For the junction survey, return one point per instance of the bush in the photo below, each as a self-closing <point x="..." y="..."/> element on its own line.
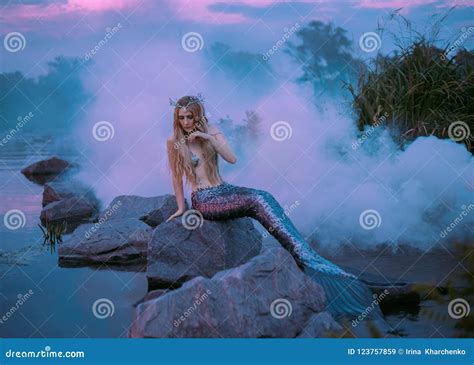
<point x="424" y="91"/>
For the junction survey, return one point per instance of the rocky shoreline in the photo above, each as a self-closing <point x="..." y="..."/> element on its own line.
<point x="214" y="279"/>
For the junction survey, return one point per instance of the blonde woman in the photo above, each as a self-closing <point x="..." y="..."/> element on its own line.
<point x="193" y="151"/>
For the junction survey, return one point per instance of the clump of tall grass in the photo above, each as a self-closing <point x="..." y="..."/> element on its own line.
<point x="425" y="90"/>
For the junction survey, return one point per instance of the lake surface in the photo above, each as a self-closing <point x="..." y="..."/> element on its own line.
<point x="57" y="302"/>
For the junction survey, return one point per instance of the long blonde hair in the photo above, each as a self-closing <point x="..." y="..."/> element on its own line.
<point x="178" y="151"/>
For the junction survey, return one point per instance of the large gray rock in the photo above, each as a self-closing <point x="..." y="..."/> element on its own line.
<point x="69" y="201"/>
<point x="133" y="206"/>
<point x="321" y="325"/>
<point x="177" y="254"/>
<point x="63" y="189"/>
<point x="116" y="237"/>
<point x="269" y="296"/>
<point x="121" y="241"/>
<point x="161" y="214"/>
<point x="73" y="211"/>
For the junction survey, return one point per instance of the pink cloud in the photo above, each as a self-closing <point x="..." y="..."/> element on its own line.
<point x="58" y="10"/>
<point x="199" y="11"/>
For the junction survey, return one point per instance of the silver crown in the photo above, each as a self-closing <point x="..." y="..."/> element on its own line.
<point x="194" y="99"/>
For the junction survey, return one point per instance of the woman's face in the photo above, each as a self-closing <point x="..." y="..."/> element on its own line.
<point x="186" y="119"/>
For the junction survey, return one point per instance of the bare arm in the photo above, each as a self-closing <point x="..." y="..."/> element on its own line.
<point x="177" y="186"/>
<point x="216" y="137"/>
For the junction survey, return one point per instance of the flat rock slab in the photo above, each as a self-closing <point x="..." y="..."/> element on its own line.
<point x="177" y="254"/>
<point x="269" y="296"/>
<point x="133" y="206"/>
<point x="113" y="242"/>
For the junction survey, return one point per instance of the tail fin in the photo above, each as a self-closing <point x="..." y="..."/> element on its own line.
<point x="347" y="296"/>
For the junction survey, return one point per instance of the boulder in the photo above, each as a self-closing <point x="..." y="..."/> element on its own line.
<point x="321" y="325"/>
<point x="74" y="211"/>
<point x="161" y="214"/>
<point x="121" y="241"/>
<point x="177" y="254"/>
<point x="45" y="170"/>
<point x="133" y="206"/>
<point x="269" y="296"/>
<point x="64" y="189"/>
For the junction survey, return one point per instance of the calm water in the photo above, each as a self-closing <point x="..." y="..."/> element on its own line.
<point x="62" y="298"/>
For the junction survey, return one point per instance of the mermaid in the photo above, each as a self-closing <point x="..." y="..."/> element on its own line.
<point x="193" y="151"/>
